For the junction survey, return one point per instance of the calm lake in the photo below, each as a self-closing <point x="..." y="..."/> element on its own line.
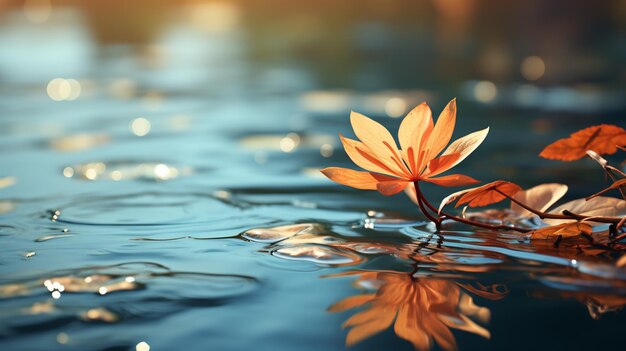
<point x="148" y="152"/>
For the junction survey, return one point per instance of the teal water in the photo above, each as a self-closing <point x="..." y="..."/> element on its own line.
<point x="114" y="234"/>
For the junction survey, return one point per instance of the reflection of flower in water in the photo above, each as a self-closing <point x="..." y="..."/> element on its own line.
<point x="424" y="310"/>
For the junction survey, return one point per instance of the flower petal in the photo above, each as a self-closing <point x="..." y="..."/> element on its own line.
<point x="407" y="327"/>
<point x="355" y="179"/>
<point x="452" y="180"/>
<point x="384" y="318"/>
<point x="378" y="139"/>
<point x="440" y="164"/>
<point x="351" y="302"/>
<point x="391" y="187"/>
<point x="464" y="147"/>
<point x="441" y="134"/>
<point x="414" y="131"/>
<point x="363" y="157"/>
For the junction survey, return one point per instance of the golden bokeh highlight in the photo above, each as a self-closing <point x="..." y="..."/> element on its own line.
<point x="533" y="68"/>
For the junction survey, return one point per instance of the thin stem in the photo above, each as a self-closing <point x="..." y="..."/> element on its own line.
<point x="566" y="214"/>
<point x="421" y="199"/>
<point x="484" y="225"/>
<point x="420" y="203"/>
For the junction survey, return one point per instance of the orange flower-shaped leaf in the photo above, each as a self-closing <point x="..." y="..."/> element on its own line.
<point x="420" y="158"/>
<point x="564" y="230"/>
<point x="603" y="139"/>
<point x="488" y="194"/>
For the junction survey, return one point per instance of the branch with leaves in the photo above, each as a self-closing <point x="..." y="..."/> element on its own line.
<point x="421" y="157"/>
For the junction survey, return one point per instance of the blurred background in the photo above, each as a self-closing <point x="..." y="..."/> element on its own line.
<point x="194" y="83"/>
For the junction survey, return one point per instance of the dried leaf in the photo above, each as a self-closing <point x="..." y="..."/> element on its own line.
<point x="540" y="197"/>
<point x="603" y="139"/>
<point x="601" y="206"/>
<point x="450" y="198"/>
<point x="564" y="230"/>
<point x="488" y="194"/>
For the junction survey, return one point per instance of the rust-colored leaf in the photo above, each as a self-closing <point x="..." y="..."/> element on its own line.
<point x="489" y="194"/>
<point x="603" y="139"/>
<point x="564" y="230"/>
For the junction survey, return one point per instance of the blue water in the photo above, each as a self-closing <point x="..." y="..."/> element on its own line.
<point x="114" y="234"/>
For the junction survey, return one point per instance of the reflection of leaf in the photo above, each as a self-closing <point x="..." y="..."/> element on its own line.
<point x="621" y="262"/>
<point x="540" y="197"/>
<point x="424" y="310"/>
<point x="389" y="168"/>
<point x="564" y="230"/>
<point x="488" y="193"/>
<point x="602" y="139"/>
<point x="600" y="206"/>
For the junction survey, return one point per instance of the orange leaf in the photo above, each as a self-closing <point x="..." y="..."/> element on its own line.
<point x="360" y="155"/>
<point x="463" y="146"/>
<point x="603" y="139"/>
<point x="355" y="179"/>
<point x="442" y="132"/>
<point x="391" y="187"/>
<point x="380" y="142"/>
<point x="414" y="132"/>
<point x="452" y="180"/>
<point x="565" y="230"/>
<point x="489" y="194"/>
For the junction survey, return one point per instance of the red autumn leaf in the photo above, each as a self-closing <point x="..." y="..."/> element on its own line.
<point x="489" y="194"/>
<point x="603" y="139"/>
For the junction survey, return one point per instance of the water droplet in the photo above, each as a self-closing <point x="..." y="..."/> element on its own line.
<point x="318" y="254"/>
<point x="56" y="294"/>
